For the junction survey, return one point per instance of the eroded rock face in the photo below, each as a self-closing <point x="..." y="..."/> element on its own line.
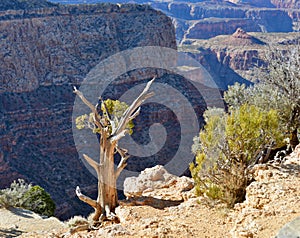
<point x="273" y="195"/>
<point x="253" y="20"/>
<point x="59" y="45"/>
<point x="208" y="19"/>
<point x="19" y="4"/>
<point x="255" y="3"/>
<point x="43" y="53"/>
<point x="233" y="58"/>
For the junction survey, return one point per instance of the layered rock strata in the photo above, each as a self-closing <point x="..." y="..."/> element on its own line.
<point x="44" y="52"/>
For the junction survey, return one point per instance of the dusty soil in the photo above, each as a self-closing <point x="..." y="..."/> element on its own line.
<point x="272" y="201"/>
<point x="15" y="222"/>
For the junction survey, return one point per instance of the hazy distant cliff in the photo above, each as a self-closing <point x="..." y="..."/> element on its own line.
<point x="208" y="18"/>
<point x="42" y="53"/>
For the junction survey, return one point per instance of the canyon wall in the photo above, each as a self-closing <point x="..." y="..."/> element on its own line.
<point x="43" y="53"/>
<point x="206" y="20"/>
<point x="209" y="18"/>
<point x="235" y="57"/>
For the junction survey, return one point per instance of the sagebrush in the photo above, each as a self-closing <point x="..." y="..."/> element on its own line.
<point x="227" y="146"/>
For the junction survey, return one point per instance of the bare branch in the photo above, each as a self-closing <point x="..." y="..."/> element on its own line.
<point x="133" y="107"/>
<point x="122" y="164"/>
<point x="90" y="105"/>
<point x="86" y="199"/>
<point x="84" y="100"/>
<point x="121" y="151"/>
<point x="91" y="162"/>
<point x="137" y="112"/>
<point x="119" y="136"/>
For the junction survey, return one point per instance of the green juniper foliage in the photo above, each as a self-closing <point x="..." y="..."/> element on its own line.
<point x="39" y="201"/>
<point x="114" y="108"/>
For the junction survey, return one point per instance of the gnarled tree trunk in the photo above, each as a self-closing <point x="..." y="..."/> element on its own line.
<point x="107" y="174"/>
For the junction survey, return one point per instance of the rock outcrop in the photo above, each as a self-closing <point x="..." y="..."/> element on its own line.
<point x="43" y="53"/>
<point x="242" y="38"/>
<point x="290" y="230"/>
<point x="273" y="195"/>
<point x="157" y="182"/>
<point x="17" y="222"/>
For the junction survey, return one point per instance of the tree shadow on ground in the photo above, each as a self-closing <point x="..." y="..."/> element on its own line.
<point x="150" y="201"/>
<point x="21" y="212"/>
<point x="9" y="233"/>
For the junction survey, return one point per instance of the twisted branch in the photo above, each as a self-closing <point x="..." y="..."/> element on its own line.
<point x="133" y="110"/>
<point x="87" y="199"/>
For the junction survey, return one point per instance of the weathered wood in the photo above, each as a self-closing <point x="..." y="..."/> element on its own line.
<point x="90" y="105"/>
<point x="92" y="162"/>
<point x="127" y="116"/>
<point x="107" y="199"/>
<point x="86" y="199"/>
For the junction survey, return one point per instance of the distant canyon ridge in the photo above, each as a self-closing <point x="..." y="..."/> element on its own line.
<point x="208" y="18"/>
<point x="199" y="24"/>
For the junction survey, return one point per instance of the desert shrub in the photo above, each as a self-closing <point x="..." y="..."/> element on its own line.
<point x="278" y="87"/>
<point x="34" y="198"/>
<point x="227" y="146"/>
<point x="265" y="97"/>
<point x="281" y="74"/>
<point x="76" y="221"/>
<point x="39" y="201"/>
<point x="14" y="195"/>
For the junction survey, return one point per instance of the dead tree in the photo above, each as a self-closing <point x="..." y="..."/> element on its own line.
<point x="107" y="174"/>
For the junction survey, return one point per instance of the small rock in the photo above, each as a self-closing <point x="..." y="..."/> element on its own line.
<point x="156" y="178"/>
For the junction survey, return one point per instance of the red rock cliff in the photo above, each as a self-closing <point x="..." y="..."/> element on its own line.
<point x="43" y="52"/>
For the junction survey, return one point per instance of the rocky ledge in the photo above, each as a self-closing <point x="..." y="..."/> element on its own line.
<point x="163" y="205"/>
<point x="271" y="201"/>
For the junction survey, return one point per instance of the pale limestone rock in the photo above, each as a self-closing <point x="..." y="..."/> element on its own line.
<point x="273" y="194"/>
<point x="153" y="182"/>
